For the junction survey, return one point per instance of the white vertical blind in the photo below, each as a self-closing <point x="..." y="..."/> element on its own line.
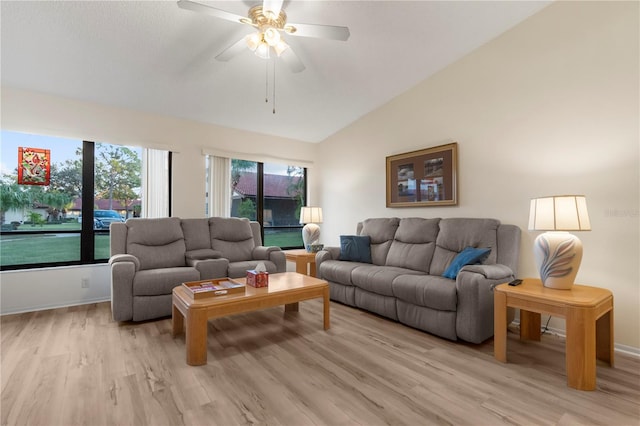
<point x="155" y="183"/>
<point x="219" y="186"/>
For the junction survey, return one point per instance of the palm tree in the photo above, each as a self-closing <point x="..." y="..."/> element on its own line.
<point x="57" y="202"/>
<point x="12" y="197"/>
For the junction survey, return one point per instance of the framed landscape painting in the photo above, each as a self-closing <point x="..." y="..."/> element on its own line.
<point x="423" y="178"/>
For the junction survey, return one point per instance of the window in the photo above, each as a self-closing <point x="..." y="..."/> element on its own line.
<point x="284" y="194"/>
<point x="269" y="193"/>
<point x="46" y="224"/>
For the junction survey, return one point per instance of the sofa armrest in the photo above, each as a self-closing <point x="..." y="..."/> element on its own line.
<point x="327" y="253"/>
<point x="210" y="268"/>
<point x="273" y="254"/>
<point x="279" y="259"/>
<point x="125" y="258"/>
<point x="263" y="253"/>
<point x="492" y="272"/>
<point x="202" y="254"/>
<point x="123" y="270"/>
<point x="474" y="285"/>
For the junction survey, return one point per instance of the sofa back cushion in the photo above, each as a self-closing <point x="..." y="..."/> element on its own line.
<point x="196" y="233"/>
<point x="456" y="234"/>
<point x="381" y="231"/>
<point x="256" y="230"/>
<point x="232" y="237"/>
<point x="414" y="244"/>
<point x="157" y="243"/>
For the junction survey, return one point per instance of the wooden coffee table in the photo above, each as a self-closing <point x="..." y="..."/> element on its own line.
<point x="286" y="288"/>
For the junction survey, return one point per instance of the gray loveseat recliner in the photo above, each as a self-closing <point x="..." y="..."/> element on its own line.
<point x="149" y="257"/>
<point x="404" y="282"/>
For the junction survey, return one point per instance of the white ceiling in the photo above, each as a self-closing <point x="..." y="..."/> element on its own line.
<point x="155" y="57"/>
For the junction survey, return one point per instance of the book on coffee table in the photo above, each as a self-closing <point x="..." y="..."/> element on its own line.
<point x="213" y="288"/>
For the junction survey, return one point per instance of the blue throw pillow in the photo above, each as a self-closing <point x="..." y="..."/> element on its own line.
<point x="355" y="248"/>
<point x="468" y="256"/>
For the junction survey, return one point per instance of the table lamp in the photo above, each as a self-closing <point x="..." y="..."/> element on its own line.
<point x="311" y="216"/>
<point x="558" y="253"/>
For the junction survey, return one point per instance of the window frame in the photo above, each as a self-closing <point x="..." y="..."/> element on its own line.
<point x="260" y="199"/>
<point x="87" y="233"/>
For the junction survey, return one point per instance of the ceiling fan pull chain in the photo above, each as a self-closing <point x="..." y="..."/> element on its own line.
<point x="266" y="88"/>
<point x="274" y="86"/>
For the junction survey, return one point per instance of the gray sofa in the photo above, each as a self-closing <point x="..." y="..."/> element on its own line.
<point x="404" y="281"/>
<point x="149" y="257"/>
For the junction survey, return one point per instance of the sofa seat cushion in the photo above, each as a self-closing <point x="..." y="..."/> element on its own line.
<point x="426" y="290"/>
<point x="338" y="271"/>
<point x="239" y="269"/>
<point x="153" y="282"/>
<point x="377" y="279"/>
<point x="434" y="321"/>
<point x="376" y="303"/>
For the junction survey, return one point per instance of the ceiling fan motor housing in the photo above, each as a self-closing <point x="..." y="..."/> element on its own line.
<point x="260" y="20"/>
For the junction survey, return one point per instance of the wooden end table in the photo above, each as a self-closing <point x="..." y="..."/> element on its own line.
<point x="302" y="259"/>
<point x="588" y="312"/>
<point x="287" y="288"/>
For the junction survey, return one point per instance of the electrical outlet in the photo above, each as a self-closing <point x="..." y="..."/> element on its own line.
<point x="84" y="283"/>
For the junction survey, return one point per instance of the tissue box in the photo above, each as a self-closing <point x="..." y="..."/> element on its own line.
<point x="257" y="279"/>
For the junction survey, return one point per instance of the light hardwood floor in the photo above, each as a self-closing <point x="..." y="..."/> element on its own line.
<point x="75" y="366"/>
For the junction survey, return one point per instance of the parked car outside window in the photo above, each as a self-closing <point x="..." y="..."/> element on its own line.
<point x="104" y="218"/>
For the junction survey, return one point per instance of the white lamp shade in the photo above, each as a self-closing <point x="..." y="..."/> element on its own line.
<point x="311" y="215"/>
<point x="558" y="254"/>
<point x="559" y="213"/>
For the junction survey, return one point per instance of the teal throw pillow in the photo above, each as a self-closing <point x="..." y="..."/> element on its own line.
<point x="468" y="256"/>
<point x="355" y="248"/>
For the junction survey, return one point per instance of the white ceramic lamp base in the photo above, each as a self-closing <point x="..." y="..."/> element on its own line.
<point x="310" y="234"/>
<point x="558" y="255"/>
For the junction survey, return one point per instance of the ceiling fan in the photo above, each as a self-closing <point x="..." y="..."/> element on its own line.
<point x="270" y="21"/>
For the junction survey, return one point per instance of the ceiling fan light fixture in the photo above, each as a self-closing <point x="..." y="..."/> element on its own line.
<point x="253" y="41"/>
<point x="271" y="36"/>
<point x="280" y="47"/>
<point x="263" y="50"/>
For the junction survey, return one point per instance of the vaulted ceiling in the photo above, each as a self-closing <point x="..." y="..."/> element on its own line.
<point x="153" y="56"/>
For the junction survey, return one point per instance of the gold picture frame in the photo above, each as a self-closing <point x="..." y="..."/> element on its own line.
<point x="424" y="178"/>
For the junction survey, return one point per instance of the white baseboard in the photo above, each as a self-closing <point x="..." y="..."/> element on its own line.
<point x="627" y="350"/>
<point x="22" y="310"/>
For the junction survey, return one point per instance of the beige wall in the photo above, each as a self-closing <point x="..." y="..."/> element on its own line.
<point x="550" y="107"/>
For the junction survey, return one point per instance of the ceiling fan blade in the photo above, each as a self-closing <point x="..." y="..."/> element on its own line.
<point x="272" y="6"/>
<point x="218" y="13"/>
<point x="318" y="31"/>
<point x="294" y="63"/>
<point x="233" y="50"/>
